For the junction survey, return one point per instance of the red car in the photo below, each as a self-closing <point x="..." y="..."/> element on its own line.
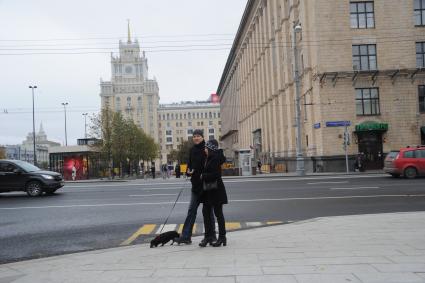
<point x="408" y="162"/>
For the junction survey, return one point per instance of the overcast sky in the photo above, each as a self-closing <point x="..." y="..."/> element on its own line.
<point x="171" y="32"/>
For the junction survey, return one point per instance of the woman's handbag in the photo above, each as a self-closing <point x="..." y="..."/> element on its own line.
<point x="210" y="186"/>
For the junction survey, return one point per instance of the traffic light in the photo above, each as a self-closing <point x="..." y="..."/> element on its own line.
<point x="347" y="138"/>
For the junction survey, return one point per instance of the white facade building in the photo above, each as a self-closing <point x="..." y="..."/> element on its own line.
<point x="177" y="121"/>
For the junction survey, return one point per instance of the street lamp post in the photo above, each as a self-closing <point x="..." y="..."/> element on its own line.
<point x="66" y="135"/>
<point x="85" y="124"/>
<point x="299" y="153"/>
<point x="33" y="124"/>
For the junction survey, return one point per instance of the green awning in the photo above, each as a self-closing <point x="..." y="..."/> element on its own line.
<point x="371" y="126"/>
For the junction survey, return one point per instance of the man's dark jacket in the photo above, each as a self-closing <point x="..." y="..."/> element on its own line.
<point x="196" y="162"/>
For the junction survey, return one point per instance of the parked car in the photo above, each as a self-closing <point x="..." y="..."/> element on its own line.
<point x="408" y="162"/>
<point x="16" y="175"/>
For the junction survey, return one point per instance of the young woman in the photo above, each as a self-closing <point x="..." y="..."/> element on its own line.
<point x="214" y="199"/>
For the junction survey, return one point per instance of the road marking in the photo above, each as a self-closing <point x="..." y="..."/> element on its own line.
<point x="319" y="183"/>
<point x="167" y="227"/>
<point x="253" y="224"/>
<point x="144" y="230"/>
<point x="180" y="228"/>
<point x="355" y="188"/>
<point x="233" y="225"/>
<point x="91" y="205"/>
<point x="266" y="179"/>
<point x="274" y="222"/>
<point x="322" y="198"/>
<point x="152" y="195"/>
<point x="186" y="202"/>
<point x="198" y="228"/>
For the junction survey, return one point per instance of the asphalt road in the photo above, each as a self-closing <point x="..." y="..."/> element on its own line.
<point x="88" y="216"/>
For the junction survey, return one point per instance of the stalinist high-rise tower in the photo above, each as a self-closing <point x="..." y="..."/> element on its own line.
<point x="130" y="91"/>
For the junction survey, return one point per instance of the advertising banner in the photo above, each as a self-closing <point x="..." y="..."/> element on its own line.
<point x="75" y="168"/>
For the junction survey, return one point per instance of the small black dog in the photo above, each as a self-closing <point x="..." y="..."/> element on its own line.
<point x="164" y="238"/>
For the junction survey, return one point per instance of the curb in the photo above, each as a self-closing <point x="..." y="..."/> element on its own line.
<point x="95" y="181"/>
<point x="306" y="175"/>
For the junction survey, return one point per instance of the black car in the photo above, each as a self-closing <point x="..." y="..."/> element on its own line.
<point x="16" y="175"/>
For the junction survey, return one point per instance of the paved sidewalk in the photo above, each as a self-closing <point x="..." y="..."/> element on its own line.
<point x="368" y="248"/>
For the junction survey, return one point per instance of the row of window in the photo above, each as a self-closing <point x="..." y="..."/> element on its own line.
<point x="189" y="132"/>
<point x="362" y="14"/>
<point x="367" y="101"/>
<point x="364" y="56"/>
<point x="189" y="115"/>
<point x="189" y="123"/>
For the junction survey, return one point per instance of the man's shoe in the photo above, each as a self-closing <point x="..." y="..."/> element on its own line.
<point x="181" y="240"/>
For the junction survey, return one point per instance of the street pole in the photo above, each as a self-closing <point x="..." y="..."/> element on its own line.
<point x="299" y="154"/>
<point x="66" y="135"/>
<point x="85" y="124"/>
<point x="346" y="143"/>
<point x="33" y="125"/>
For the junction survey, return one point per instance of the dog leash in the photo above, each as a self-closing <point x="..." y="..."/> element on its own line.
<point x="171" y="211"/>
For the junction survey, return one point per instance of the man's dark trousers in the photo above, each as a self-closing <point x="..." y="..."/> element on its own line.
<point x="191" y="218"/>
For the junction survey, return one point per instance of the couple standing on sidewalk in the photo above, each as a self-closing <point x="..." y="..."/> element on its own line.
<point x="204" y="167"/>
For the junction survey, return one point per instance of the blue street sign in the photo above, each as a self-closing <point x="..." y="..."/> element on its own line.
<point x="317" y="126"/>
<point x="338" y="124"/>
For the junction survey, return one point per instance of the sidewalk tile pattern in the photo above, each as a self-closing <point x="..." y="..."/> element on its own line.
<point x="381" y="248"/>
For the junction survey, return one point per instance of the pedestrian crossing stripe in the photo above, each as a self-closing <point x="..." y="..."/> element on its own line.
<point x="198" y="228"/>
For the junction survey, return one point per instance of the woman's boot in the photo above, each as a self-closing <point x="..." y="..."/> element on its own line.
<point x="221" y="241"/>
<point x="206" y="241"/>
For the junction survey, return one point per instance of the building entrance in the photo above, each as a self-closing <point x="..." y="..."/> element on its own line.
<point x="370" y="144"/>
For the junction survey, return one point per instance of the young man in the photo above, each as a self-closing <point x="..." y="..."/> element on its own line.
<point x="195" y="167"/>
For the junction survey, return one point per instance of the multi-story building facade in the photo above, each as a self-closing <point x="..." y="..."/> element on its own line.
<point x="177" y="121"/>
<point x="130" y="91"/>
<point x="361" y="64"/>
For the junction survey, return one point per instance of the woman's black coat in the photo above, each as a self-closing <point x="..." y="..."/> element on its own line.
<point x="212" y="172"/>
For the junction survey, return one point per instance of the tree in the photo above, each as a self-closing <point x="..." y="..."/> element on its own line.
<point x="122" y="141"/>
<point x="181" y="155"/>
<point x="2" y="153"/>
<point x="101" y="128"/>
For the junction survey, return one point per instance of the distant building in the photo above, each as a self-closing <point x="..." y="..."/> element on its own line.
<point x="177" y="121"/>
<point x="25" y="151"/>
<point x="130" y="91"/>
